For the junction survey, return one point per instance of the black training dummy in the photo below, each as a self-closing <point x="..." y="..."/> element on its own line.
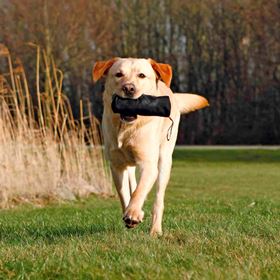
<point x="145" y="105"/>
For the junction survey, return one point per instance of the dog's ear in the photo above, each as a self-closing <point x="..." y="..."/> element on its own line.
<point x="101" y="67"/>
<point x="163" y="71"/>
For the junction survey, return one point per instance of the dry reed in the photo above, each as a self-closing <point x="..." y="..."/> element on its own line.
<point x="44" y="152"/>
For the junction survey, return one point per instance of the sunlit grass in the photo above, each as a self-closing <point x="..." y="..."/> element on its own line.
<point x="221" y="221"/>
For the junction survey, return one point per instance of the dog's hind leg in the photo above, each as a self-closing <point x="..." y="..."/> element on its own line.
<point x="132" y="179"/>
<point x="121" y="180"/>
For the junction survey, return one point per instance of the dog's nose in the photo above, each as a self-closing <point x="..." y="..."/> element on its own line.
<point x="129" y="89"/>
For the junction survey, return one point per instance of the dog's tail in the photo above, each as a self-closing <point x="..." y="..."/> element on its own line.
<point x="188" y="102"/>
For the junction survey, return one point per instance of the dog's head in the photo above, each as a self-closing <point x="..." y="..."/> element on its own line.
<point x="132" y="77"/>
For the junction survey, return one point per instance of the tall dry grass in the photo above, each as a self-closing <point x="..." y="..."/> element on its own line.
<point x="44" y="152"/>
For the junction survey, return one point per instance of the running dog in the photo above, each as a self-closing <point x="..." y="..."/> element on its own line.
<point x="146" y="142"/>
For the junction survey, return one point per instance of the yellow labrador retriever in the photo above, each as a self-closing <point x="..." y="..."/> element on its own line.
<point x="143" y="141"/>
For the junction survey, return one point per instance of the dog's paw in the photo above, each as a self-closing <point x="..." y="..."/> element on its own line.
<point x="155" y="232"/>
<point x="133" y="217"/>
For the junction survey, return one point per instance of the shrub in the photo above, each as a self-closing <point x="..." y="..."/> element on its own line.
<point x="45" y="153"/>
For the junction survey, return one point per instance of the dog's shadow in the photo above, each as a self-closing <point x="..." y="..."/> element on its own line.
<point x="29" y="234"/>
<point x="32" y="231"/>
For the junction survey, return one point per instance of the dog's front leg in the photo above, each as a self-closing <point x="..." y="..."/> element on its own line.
<point x="133" y="213"/>
<point x="164" y="167"/>
<point x="121" y="180"/>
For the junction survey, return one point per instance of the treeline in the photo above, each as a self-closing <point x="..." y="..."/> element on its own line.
<point x="228" y="51"/>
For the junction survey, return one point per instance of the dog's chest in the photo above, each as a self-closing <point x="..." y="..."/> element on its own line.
<point x="126" y="150"/>
<point x="126" y="138"/>
<point x="124" y="156"/>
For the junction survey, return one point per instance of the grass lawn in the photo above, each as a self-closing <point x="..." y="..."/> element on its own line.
<point x="222" y="221"/>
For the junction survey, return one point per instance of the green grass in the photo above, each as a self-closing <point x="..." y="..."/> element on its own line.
<point x="222" y="221"/>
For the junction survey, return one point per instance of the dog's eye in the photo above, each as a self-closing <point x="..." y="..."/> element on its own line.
<point x="119" y="75"/>
<point x="142" y="76"/>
